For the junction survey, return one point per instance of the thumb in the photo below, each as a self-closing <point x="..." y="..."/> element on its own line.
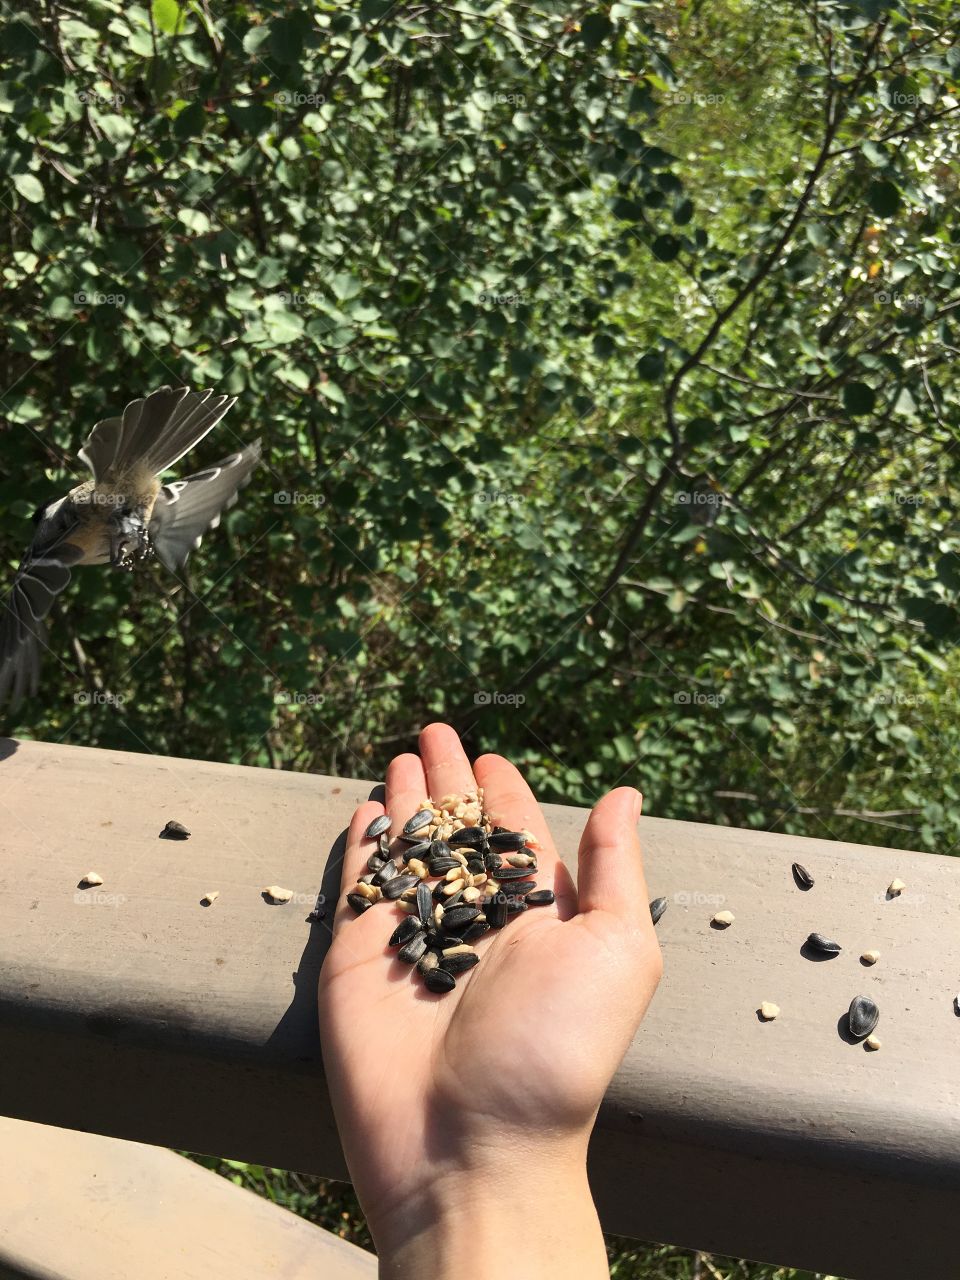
<point x="610" y="865"/>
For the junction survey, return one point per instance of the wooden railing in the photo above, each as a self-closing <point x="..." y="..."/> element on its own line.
<point x="132" y="1011"/>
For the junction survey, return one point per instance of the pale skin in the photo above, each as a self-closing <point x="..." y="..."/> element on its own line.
<point x="461" y="1113"/>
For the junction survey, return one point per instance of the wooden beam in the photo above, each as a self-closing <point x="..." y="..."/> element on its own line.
<point x="145" y="1016"/>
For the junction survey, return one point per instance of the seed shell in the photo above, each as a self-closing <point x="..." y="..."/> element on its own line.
<point x="802" y="876"/>
<point x="377" y="827"/>
<point x="419" y="820"/>
<point x="419" y="850"/>
<point x="657" y="907"/>
<point x="512" y="873"/>
<point x="174" y="831"/>
<point x="475" y="930"/>
<point x="375" y="862"/>
<point x="358" y="904"/>
<point x="895" y="888"/>
<point x="91" y="880"/>
<point x="496" y="911"/>
<point x="439" y="981"/>
<point x="823" y="945"/>
<point x="429" y="960"/>
<point x="863" y="1016"/>
<point x="210" y="898"/>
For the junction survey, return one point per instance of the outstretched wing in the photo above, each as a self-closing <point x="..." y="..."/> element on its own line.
<point x="154" y="432"/>
<point x="22" y="631"/>
<point x="186" y="509"/>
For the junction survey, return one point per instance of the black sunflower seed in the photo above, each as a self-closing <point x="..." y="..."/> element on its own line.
<point x="457" y="916"/>
<point x="657" y="907"/>
<point x="453" y="900"/>
<point x="467" y="835"/>
<point x="515" y="905"/>
<point x="439" y="849"/>
<point x="389" y="871"/>
<point x="496" y="911"/>
<point x="863" y="1016"/>
<point x="418" y="850"/>
<point x="174" y="831"/>
<point x="404" y="931"/>
<point x="377" y="827"/>
<point x="517" y="888"/>
<point x="359" y="903"/>
<point x="383" y="845"/>
<point x="411" y="951"/>
<point x="375" y="862"/>
<point x="505" y="839"/>
<point x="818" y="942"/>
<point x="459" y="963"/>
<point x="440" y="866"/>
<point x="492" y="862"/>
<point x="513" y="873"/>
<point x="399" y="884"/>
<point x="439" y="981"/>
<point x="424" y="902"/>
<point x="541" y="898"/>
<point x="475" y="930"/>
<point x="476" y="866"/>
<point x="802" y="876"/>
<point x="429" y="960"/>
<point x="421" y="819"/>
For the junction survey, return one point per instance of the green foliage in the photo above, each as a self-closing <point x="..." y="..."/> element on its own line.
<point x="603" y="366"/>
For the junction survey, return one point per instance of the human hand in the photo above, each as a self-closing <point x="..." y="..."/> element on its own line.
<point x="463" y="1099"/>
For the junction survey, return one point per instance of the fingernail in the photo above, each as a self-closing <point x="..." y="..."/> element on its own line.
<point x="637" y="805"/>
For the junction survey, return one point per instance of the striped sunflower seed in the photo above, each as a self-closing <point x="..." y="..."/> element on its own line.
<point x="419" y="850"/>
<point x="388" y="871"/>
<point x="505" y="839"/>
<point x="424" y="902"/>
<point x="411" y="951"/>
<point x="512" y="873"/>
<point x="421" y="819"/>
<point x="863" y="1016"/>
<point x="475" y="930"/>
<point x="802" y="876"/>
<point x="439" y="981"/>
<point x="823" y="946"/>
<point x="358" y="904"/>
<point x="456" y="917"/>
<point x="375" y="862"/>
<point x="496" y="911"/>
<point x="377" y="827"/>
<point x="657" y="907"/>
<point x="518" y="888"/>
<point x="472" y="836"/>
<point x="540" y="898"/>
<point x="460" y="961"/>
<point x="429" y="960"/>
<point x="383" y="845"/>
<point x="399" y="884"/>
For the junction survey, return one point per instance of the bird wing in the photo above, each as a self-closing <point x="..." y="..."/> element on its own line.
<point x="22" y="630"/>
<point x="186" y="509"/>
<point x="154" y="432"/>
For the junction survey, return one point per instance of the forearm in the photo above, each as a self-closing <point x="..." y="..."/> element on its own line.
<point x="536" y="1219"/>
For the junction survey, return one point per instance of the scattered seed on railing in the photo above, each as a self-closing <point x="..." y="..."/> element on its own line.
<point x="210" y="898"/>
<point x="377" y="827"/>
<point x="863" y="1016"/>
<point x="174" y="831"/>
<point x="723" y="919"/>
<point x="895" y="888"/>
<point x="769" y="1010"/>
<point x="823" y="946"/>
<point x="872" y="1042"/>
<point x="802" y="876"/>
<point x="90" y="880"/>
<point x="870" y="957"/>
<point x="657" y="907"/>
<point x="273" y="893"/>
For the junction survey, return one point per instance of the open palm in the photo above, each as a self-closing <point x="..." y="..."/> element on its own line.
<point x="530" y="1038"/>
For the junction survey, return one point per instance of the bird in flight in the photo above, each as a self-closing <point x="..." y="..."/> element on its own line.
<point x="121" y="516"/>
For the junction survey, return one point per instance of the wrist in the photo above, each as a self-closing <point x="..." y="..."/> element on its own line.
<point x="527" y="1210"/>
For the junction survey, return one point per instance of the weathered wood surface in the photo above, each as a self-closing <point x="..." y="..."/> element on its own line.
<point x="146" y="1016"/>
<point x="77" y="1206"/>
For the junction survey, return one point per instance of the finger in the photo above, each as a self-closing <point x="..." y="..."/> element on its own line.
<point x="510" y="803"/>
<point x="610" y="876"/>
<point x="355" y="857"/>
<point x="445" y="763"/>
<point x="406" y="788"/>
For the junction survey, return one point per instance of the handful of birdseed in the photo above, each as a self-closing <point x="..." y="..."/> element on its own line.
<point x="483" y="877"/>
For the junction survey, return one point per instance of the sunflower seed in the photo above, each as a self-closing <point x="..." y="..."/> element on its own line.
<point x="475" y="930"/>
<point x="823" y="945"/>
<point x="383" y="845"/>
<point x="518" y="888"/>
<point x="367" y="879"/>
<point x="863" y="1016"/>
<point x="411" y="951"/>
<point x="210" y="898"/>
<point x="438" y="914"/>
<point x="505" y="839"/>
<point x="895" y="888"/>
<point x="492" y="862"/>
<point x="359" y="904"/>
<point x="512" y="873"/>
<point x="802" y="876"/>
<point x="439" y="849"/>
<point x="540" y="898"/>
<point x="515" y="905"/>
<point x="91" y="880"/>
<point x="454" y="917"/>
<point x="274" y="893"/>
<point x="424" y="902"/>
<point x="496" y="911"/>
<point x="440" y="866"/>
<point x="522" y="860"/>
<point x="419" y="850"/>
<point x="377" y="827"/>
<point x="872" y="1042"/>
<point x="429" y="960"/>
<point x="375" y="862"/>
<point x="174" y="831"/>
<point x="387" y="872"/>
<point x="467" y="836"/>
<point x="956" y="1002"/>
<point x="439" y="981"/>
<point x="476" y="866"/>
<point x="657" y="907"/>
<point x="399" y="884"/>
<point x="769" y="1011"/>
<point x="870" y="957"/>
<point x="419" y="820"/>
<point x="404" y="931"/>
<point x="724" y="919"/>
<point x="460" y="961"/>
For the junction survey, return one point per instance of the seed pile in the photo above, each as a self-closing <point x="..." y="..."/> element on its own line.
<point x="483" y="877"/>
